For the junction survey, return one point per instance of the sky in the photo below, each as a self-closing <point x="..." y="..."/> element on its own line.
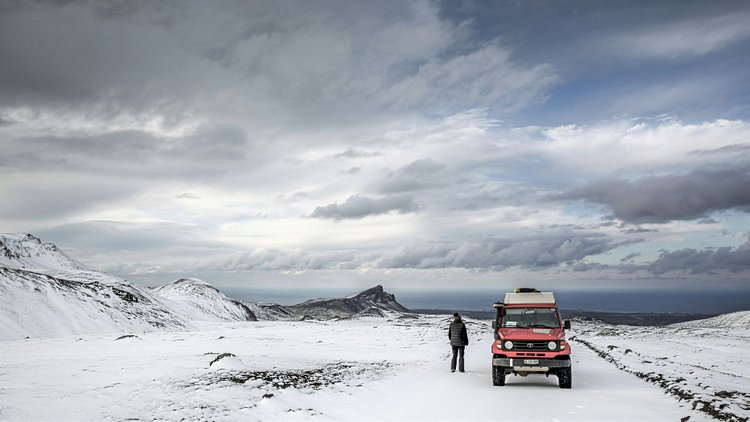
<point x="423" y="145"/>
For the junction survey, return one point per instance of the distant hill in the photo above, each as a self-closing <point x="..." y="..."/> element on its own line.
<point x="374" y="302"/>
<point x="371" y="302"/>
<point x="739" y="319"/>
<point x="197" y="300"/>
<point x="270" y="311"/>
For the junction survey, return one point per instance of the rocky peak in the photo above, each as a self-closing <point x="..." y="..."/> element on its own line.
<point x="28" y="251"/>
<point x="375" y="294"/>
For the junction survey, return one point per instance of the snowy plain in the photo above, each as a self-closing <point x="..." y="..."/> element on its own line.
<point x="359" y="369"/>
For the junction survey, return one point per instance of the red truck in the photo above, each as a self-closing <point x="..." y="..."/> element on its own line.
<point x="530" y="338"/>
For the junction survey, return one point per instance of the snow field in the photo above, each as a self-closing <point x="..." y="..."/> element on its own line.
<point x="706" y="367"/>
<point x="367" y="369"/>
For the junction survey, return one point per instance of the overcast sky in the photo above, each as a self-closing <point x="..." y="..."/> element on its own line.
<point x="342" y="144"/>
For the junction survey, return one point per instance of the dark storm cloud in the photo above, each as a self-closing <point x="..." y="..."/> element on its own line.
<point x="533" y="253"/>
<point x="360" y="207"/>
<point x="66" y="55"/>
<point x="270" y="61"/>
<point x="660" y="199"/>
<point x="704" y="261"/>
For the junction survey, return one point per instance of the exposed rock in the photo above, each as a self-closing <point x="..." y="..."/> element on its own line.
<point x="374" y="298"/>
<point x="220" y="357"/>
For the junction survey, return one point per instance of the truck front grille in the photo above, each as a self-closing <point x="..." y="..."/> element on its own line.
<point x="529" y="345"/>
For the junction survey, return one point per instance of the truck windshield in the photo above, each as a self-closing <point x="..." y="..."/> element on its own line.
<point x="531" y="318"/>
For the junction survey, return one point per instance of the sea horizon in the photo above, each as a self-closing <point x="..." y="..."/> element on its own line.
<point x="690" y="301"/>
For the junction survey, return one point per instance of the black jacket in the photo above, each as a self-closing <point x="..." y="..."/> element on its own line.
<point x="457" y="333"/>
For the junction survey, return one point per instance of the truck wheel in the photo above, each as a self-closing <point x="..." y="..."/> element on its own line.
<point x="565" y="378"/>
<point x="498" y="376"/>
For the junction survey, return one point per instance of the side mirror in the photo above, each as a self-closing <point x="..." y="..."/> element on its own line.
<point x="566" y="324"/>
<point x="494" y="325"/>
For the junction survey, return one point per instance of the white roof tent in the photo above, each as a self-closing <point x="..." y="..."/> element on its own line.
<point x="533" y="297"/>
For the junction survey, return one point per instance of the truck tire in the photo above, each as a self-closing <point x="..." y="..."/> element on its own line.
<point x="565" y="378"/>
<point x="498" y="375"/>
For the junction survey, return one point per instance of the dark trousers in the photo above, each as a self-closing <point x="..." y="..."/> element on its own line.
<point x="458" y="351"/>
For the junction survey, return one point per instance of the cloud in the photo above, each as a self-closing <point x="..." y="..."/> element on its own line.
<point x="638" y="146"/>
<point x="356" y="207"/>
<point x="705" y="261"/>
<point x="738" y="149"/>
<point x="127" y="248"/>
<point x="660" y="199"/>
<point x="204" y="152"/>
<point x="271" y="259"/>
<point x="270" y="64"/>
<point x="689" y="38"/>
<point x="498" y="254"/>
<point x="56" y="195"/>
<point x="418" y="175"/>
<point x="472" y="80"/>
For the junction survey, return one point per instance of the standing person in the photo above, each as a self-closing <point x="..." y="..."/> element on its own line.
<point x="459" y="339"/>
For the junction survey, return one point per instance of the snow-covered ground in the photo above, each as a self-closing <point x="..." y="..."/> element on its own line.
<point x="359" y="369"/>
<point x="191" y="354"/>
<point x="704" y="363"/>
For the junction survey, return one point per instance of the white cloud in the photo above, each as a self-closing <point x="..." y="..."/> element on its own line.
<point x="636" y="147"/>
<point x="687" y="38"/>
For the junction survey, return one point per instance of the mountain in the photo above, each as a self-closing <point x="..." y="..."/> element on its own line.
<point x="739" y="319"/>
<point x="24" y="251"/>
<point x="200" y="301"/>
<point x="45" y="293"/>
<point x="270" y="311"/>
<point x="34" y="304"/>
<point x="370" y="302"/>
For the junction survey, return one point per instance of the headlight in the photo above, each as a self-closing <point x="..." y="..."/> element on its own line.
<point x="508" y="344"/>
<point x="552" y="345"/>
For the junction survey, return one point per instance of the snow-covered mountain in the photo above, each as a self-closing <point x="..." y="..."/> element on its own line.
<point x="739" y="319"/>
<point x="373" y="302"/>
<point x="25" y="251"/>
<point x="45" y="293"/>
<point x="200" y="301"/>
<point x="270" y="311"/>
<point x="370" y="302"/>
<point x="34" y="304"/>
